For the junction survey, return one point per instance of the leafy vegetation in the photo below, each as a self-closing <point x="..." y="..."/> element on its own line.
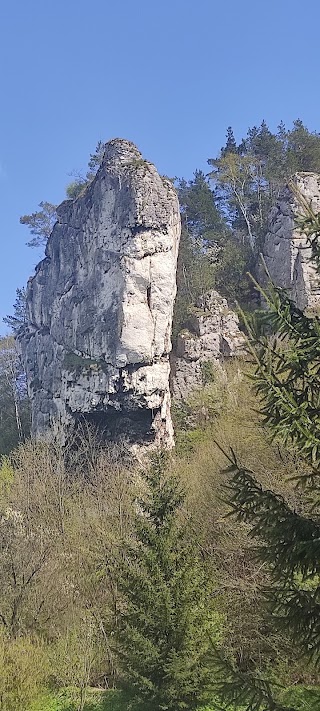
<point x="19" y="317"/>
<point x="71" y="533"/>
<point x="165" y="614"/>
<point x="285" y="349"/>
<point x="126" y="586"/>
<point x="81" y="181"/>
<point x="40" y="223"/>
<point x="14" y="402"/>
<point x="224" y="214"/>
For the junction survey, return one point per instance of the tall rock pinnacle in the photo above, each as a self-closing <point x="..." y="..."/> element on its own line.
<point x="100" y="305"/>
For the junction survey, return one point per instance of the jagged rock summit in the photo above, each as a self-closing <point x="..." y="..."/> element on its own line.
<point x="100" y="305"/>
<point x="287" y="252"/>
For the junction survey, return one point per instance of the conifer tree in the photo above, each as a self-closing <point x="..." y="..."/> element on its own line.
<point x="82" y="181"/>
<point x="248" y="178"/>
<point x="40" y="223"/>
<point x="285" y="347"/>
<point x="164" y="621"/>
<point x="19" y="316"/>
<point x="209" y="255"/>
<point x="231" y="145"/>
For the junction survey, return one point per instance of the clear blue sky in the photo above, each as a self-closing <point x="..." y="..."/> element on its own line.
<point x="170" y="75"/>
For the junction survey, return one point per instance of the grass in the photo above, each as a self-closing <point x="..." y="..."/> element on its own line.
<point x="302" y="698"/>
<point x="68" y="700"/>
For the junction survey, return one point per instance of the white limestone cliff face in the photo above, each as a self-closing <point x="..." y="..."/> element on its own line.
<point x="211" y="335"/>
<point x="286" y="251"/>
<point x="100" y="305"/>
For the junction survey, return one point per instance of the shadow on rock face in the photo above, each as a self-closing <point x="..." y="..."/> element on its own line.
<point x="133" y="426"/>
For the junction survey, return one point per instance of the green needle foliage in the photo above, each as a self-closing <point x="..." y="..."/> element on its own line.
<point x="285" y="347"/>
<point x="40" y="223"/>
<point x="244" y="690"/>
<point x="164" y="618"/>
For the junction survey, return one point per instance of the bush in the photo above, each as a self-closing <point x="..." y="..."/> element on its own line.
<point x="24" y="669"/>
<point x="67" y="700"/>
<point x="199" y="462"/>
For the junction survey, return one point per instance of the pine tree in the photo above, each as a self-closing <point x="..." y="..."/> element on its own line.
<point x="203" y="231"/>
<point x="164" y="621"/>
<point x="199" y="210"/>
<point x="285" y="347"/>
<point x="248" y="178"/>
<point x="82" y="181"/>
<point x="303" y="149"/>
<point x="231" y="145"/>
<point x="209" y="255"/>
<point x="19" y="317"/>
<point x="40" y="223"/>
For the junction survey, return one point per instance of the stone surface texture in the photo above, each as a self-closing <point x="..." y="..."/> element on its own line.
<point x="211" y="335"/>
<point x="100" y="305"/>
<point x="286" y="251"/>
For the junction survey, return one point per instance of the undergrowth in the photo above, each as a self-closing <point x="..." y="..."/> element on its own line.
<point x="303" y="698"/>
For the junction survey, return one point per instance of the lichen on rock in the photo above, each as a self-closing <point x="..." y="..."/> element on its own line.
<point x="100" y="305"/>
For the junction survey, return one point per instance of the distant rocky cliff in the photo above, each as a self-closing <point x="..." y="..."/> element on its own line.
<point x="100" y="305"/>
<point x="286" y="252"/>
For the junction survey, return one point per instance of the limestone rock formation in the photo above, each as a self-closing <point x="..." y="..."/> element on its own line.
<point x="286" y="252"/>
<point x="100" y="305"/>
<point x="211" y="335"/>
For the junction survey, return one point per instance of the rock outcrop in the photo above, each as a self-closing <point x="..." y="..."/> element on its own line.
<point x="100" y="305"/>
<point x="286" y="251"/>
<point x="211" y="335"/>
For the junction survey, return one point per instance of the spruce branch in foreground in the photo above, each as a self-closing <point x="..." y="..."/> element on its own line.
<point x="284" y="345"/>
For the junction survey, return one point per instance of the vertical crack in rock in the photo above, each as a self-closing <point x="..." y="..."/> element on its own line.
<point x="100" y="305"/>
<point x="286" y="252"/>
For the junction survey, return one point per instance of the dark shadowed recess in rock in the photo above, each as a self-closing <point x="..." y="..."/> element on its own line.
<point x="134" y="426"/>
